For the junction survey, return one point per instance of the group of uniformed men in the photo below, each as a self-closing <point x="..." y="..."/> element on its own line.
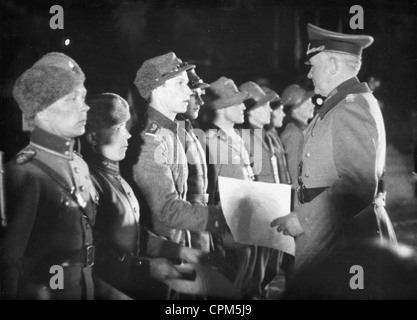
<point x="78" y="212"/>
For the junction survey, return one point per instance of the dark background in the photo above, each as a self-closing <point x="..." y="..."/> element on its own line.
<point x="263" y="41"/>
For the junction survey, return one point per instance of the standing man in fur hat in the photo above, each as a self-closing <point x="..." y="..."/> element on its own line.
<point x="50" y="197"/>
<point x="160" y="172"/>
<point x="342" y="162"/>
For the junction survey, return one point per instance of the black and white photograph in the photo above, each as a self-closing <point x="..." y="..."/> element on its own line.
<point x="208" y="154"/>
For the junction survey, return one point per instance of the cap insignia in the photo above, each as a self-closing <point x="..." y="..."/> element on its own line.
<point x="311" y="50"/>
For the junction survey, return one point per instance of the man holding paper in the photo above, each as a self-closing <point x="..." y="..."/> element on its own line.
<point x="343" y="157"/>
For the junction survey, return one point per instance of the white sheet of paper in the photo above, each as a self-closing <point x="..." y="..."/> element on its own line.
<point x="249" y="207"/>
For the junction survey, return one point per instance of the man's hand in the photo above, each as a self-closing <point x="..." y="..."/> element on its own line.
<point x="161" y="269"/>
<point x="190" y="255"/>
<point x="289" y="225"/>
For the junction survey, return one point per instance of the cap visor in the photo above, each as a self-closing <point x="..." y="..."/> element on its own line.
<point x="175" y="73"/>
<point x="203" y="85"/>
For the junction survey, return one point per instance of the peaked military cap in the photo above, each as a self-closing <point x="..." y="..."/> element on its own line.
<point x="194" y="81"/>
<point x="325" y="40"/>
<point x="155" y="71"/>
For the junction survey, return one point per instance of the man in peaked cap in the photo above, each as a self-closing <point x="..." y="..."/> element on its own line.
<point x="343" y="157"/>
<point x="196" y="155"/>
<point x="50" y="198"/>
<point x="161" y="170"/>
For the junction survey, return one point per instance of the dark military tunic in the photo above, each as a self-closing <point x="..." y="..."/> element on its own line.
<point x="47" y="225"/>
<point x="117" y="233"/>
<point x="293" y="139"/>
<point x="197" y="178"/>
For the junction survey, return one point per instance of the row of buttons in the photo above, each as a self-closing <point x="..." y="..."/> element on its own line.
<point x="308" y="156"/>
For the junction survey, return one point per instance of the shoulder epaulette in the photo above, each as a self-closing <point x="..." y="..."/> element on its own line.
<point x="25" y="156"/>
<point x="78" y="154"/>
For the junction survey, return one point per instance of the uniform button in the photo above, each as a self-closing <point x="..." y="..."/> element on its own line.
<point x="66" y="203"/>
<point x="308" y="154"/>
<point x="313" y="134"/>
<point x="67" y="143"/>
<point x="135" y="209"/>
<point x="76" y="169"/>
<point x="129" y="193"/>
<point x="97" y="198"/>
<point x="307" y="175"/>
<point x="82" y="188"/>
<point x="67" y="153"/>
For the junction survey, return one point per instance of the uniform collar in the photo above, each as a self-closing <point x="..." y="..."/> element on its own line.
<point x="187" y="123"/>
<point x="49" y="142"/>
<point x="215" y="130"/>
<point x="156" y="116"/>
<point x="298" y="124"/>
<point x="94" y="158"/>
<point x="340" y="92"/>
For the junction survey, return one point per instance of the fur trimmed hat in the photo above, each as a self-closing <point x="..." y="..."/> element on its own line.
<point x="54" y="76"/>
<point x="106" y="110"/>
<point x="154" y="72"/>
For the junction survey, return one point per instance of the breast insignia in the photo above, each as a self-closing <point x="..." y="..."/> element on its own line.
<point x="153" y="128"/>
<point x="25" y="156"/>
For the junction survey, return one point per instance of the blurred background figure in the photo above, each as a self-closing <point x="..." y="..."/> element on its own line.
<point x="374" y="83"/>
<point x="196" y="157"/>
<point x="228" y="157"/>
<point x="269" y="166"/>
<point x="299" y="109"/>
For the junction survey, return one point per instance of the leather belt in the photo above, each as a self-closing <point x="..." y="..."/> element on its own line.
<point x="308" y="194"/>
<point x="85" y="257"/>
<point x="199" y="197"/>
